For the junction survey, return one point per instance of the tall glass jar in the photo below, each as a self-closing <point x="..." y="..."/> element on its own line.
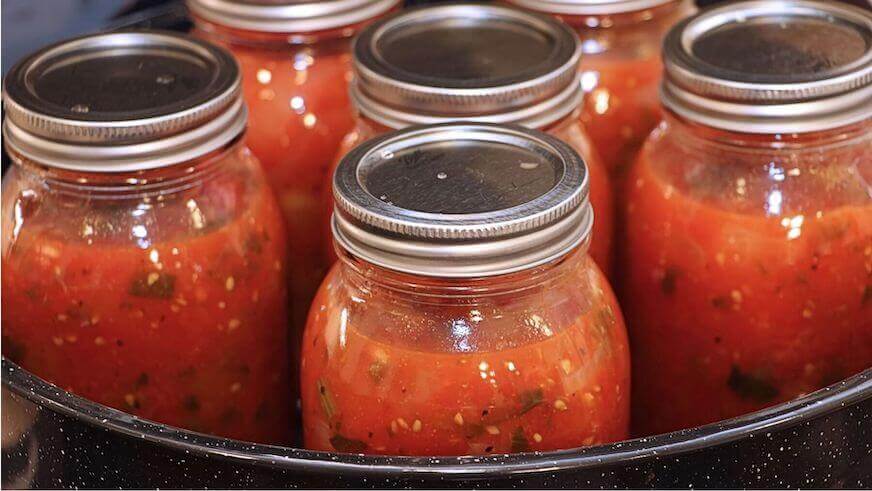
<point x="465" y="315"/>
<point x="620" y="68"/>
<point x="749" y="215"/>
<point x="143" y="254"/>
<point x="475" y="62"/>
<point x="296" y="67"/>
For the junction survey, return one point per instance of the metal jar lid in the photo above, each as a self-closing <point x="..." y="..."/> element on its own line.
<point x="466" y="61"/>
<point x="771" y="66"/>
<point x="289" y="16"/>
<point x="589" y="7"/>
<point x="123" y="101"/>
<point x="461" y="200"/>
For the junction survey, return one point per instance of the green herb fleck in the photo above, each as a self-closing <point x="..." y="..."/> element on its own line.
<point x="473" y="430"/>
<point x="262" y="412"/>
<point x="32" y="293"/>
<point x="347" y="445"/>
<point x="13" y="349"/>
<point x="667" y="284"/>
<point x="142" y="380"/>
<point x="326" y="400"/>
<point x="530" y="399"/>
<point x="153" y="285"/>
<point x="253" y="244"/>
<point x="721" y="302"/>
<point x="191" y="403"/>
<point x="749" y="386"/>
<point x="377" y="370"/>
<point x="519" y="441"/>
<point x="230" y="415"/>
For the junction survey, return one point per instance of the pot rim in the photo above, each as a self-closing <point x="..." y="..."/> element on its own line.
<point x="841" y="394"/>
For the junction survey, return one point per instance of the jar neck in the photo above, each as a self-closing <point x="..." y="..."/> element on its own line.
<point x="698" y="134"/>
<point x="571" y="118"/>
<point x="667" y="12"/>
<point x="274" y="40"/>
<point x="145" y="184"/>
<point x="369" y="127"/>
<point x="367" y="277"/>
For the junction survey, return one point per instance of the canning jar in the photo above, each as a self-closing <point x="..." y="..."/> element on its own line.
<point x="296" y="66"/>
<point x="749" y="214"/>
<point x="620" y="68"/>
<point x="143" y="254"/>
<point x="465" y="315"/>
<point x="475" y="62"/>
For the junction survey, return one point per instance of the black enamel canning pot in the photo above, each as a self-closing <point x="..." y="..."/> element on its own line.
<point x="52" y="438"/>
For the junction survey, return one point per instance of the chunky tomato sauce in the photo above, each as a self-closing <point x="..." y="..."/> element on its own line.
<point x="173" y="309"/>
<point x="621" y="106"/>
<point x="299" y="110"/>
<point x="749" y="276"/>
<point x="621" y="71"/>
<point x="385" y="375"/>
<point x="566" y="129"/>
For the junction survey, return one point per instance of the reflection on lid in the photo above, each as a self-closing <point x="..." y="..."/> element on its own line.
<point x="795" y="48"/>
<point x="464" y="177"/>
<point x="470" y="53"/>
<point x="122" y="83"/>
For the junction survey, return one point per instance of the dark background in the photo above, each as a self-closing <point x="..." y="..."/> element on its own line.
<point x="28" y="25"/>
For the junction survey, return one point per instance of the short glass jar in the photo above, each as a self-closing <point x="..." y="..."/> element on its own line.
<point x="475" y="62"/>
<point x="749" y="214"/>
<point x="465" y="315"/>
<point x="143" y="253"/>
<point x="620" y="68"/>
<point x="296" y="66"/>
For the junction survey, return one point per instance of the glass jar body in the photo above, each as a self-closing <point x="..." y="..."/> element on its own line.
<point x="296" y="89"/>
<point x="748" y="260"/>
<point x="567" y="129"/>
<point x="160" y="293"/>
<point x="405" y="365"/>
<point x="621" y="71"/>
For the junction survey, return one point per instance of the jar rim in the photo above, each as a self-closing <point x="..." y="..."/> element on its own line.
<point x="123" y="101"/>
<point x="589" y="7"/>
<point x="289" y="16"/>
<point x="391" y="208"/>
<point x="443" y="79"/>
<point x="817" y="85"/>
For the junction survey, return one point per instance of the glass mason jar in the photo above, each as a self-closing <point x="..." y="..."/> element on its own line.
<point x="475" y="62"/>
<point x="143" y="254"/>
<point x="620" y="68"/>
<point x="296" y="65"/>
<point x="465" y="315"/>
<point x="749" y="215"/>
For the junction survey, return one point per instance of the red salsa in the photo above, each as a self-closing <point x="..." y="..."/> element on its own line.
<point x="499" y="376"/>
<point x="178" y="317"/>
<point x="740" y="288"/>
<point x="296" y="86"/>
<point x="620" y="71"/>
